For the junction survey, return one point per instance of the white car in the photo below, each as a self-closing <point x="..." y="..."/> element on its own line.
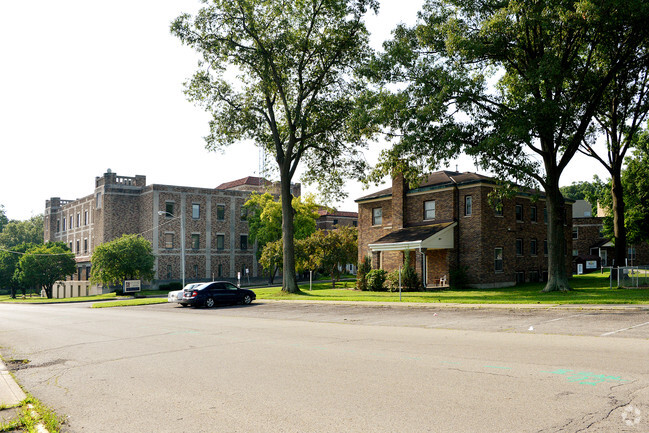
<point x="177" y="295"/>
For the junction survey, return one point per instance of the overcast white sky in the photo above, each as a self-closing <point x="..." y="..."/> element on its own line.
<point x="86" y="86"/>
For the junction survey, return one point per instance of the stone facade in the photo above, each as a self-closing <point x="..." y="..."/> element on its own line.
<point x="216" y="232"/>
<point x="458" y="229"/>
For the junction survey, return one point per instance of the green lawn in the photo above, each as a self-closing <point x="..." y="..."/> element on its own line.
<point x="587" y="289"/>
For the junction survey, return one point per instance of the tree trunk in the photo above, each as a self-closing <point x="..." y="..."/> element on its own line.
<point x="619" y="230"/>
<point x="48" y="291"/>
<point x="289" y="282"/>
<point x="557" y="249"/>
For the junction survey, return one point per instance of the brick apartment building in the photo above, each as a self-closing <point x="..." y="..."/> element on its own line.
<point x="447" y="223"/>
<point x="590" y="245"/>
<point x="330" y="219"/>
<point x="216" y="231"/>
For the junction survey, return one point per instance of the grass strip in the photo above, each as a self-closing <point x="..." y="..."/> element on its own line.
<point x="130" y="302"/>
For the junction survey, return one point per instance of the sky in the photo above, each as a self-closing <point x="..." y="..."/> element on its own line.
<point x="86" y="86"/>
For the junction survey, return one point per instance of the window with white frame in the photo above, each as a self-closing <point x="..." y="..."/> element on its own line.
<point x="468" y="205"/>
<point x="498" y="259"/>
<point x="429" y="210"/>
<point x="377" y="216"/>
<point x="196" y="211"/>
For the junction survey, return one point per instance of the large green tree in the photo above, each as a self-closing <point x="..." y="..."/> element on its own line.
<point x="44" y="265"/>
<point x="282" y="74"/>
<point x="18" y="232"/>
<point x="623" y="111"/>
<point x="514" y="84"/>
<point x="330" y="251"/>
<point x="129" y="257"/>
<point x="265" y="221"/>
<point x="635" y="184"/>
<point x="8" y="263"/>
<point x="3" y="218"/>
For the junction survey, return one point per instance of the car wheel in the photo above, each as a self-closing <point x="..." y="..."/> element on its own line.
<point x="184" y="305"/>
<point x="209" y="302"/>
<point x="247" y="299"/>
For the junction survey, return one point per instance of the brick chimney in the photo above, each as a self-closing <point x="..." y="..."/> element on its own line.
<point x="399" y="189"/>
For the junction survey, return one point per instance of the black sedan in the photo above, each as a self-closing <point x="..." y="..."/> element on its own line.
<point x="217" y="292"/>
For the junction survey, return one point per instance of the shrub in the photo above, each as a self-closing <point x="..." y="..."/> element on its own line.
<point x="457" y="278"/>
<point x="174" y="285"/>
<point x="364" y="268"/>
<point x="392" y="281"/>
<point x="376" y="279"/>
<point x="410" y="281"/>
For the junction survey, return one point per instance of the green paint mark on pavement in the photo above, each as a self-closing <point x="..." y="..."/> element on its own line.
<point x="585" y="377"/>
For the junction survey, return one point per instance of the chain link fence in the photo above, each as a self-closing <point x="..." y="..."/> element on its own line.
<point x="631" y="276"/>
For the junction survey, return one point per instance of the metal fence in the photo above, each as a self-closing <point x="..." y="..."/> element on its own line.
<point x="632" y="276"/>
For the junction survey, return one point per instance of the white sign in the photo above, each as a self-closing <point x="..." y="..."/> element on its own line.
<point x="580" y="268"/>
<point x="591" y="264"/>
<point x="132" y="286"/>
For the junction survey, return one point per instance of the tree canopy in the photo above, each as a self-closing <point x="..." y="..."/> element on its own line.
<point x="3" y="218"/>
<point x="283" y="75"/>
<point x="9" y="259"/>
<point x="129" y="257"/>
<point x="513" y="84"/>
<point x="19" y="232"/>
<point x="44" y="265"/>
<point x="329" y="251"/>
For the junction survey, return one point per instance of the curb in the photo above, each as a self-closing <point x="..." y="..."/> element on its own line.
<point x="397" y="304"/>
<point x="10" y="393"/>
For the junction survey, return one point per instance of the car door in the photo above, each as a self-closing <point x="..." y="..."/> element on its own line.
<point x="230" y="293"/>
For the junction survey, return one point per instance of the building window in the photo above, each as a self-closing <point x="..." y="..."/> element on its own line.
<point x="355" y="223"/>
<point x="335" y="222"/>
<point x="98" y="201"/>
<point x="168" y="272"/>
<point x="219" y="271"/>
<point x="58" y="226"/>
<point x="545" y="215"/>
<point x="575" y="253"/>
<point x="429" y="210"/>
<point x="70" y="246"/>
<point x="533" y="216"/>
<point x="195" y="271"/>
<point x="498" y="259"/>
<point x="498" y="207"/>
<point x="220" y="212"/>
<point x="79" y="273"/>
<point x="78" y="243"/>
<point x="468" y="205"/>
<point x="78" y="219"/>
<point x="85" y="245"/>
<point x="575" y="232"/>
<point x="85" y="218"/>
<point x="377" y="216"/>
<point x="519" y="247"/>
<point x="87" y="272"/>
<point x="220" y="242"/>
<point x="196" y="211"/>
<point x="533" y="247"/>
<point x="244" y="213"/>
<point x="169" y="240"/>
<point x="64" y="220"/>
<point x="244" y="242"/>
<point x="545" y="247"/>
<point x="631" y="254"/>
<point x="169" y="209"/>
<point x="519" y="213"/>
<point x="71" y="223"/>
<point x="196" y="238"/>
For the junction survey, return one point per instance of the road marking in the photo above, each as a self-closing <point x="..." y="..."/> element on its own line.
<point x="561" y="318"/>
<point x="495" y="366"/>
<point x="624" y="329"/>
<point x="586" y="377"/>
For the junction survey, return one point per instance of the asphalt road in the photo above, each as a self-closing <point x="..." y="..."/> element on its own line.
<point x="294" y="367"/>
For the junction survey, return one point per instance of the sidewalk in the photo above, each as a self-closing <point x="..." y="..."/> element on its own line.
<point x="10" y="393"/>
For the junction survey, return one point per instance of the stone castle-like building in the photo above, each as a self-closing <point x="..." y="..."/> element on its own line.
<point x="216" y="230"/>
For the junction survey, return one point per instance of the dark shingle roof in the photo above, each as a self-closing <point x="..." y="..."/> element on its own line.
<point x="413" y="234"/>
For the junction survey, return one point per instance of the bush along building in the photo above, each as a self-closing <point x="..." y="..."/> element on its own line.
<point x="215" y="228"/>
<point x="452" y="233"/>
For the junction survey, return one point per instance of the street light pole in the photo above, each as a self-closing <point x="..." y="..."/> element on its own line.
<point x="182" y="242"/>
